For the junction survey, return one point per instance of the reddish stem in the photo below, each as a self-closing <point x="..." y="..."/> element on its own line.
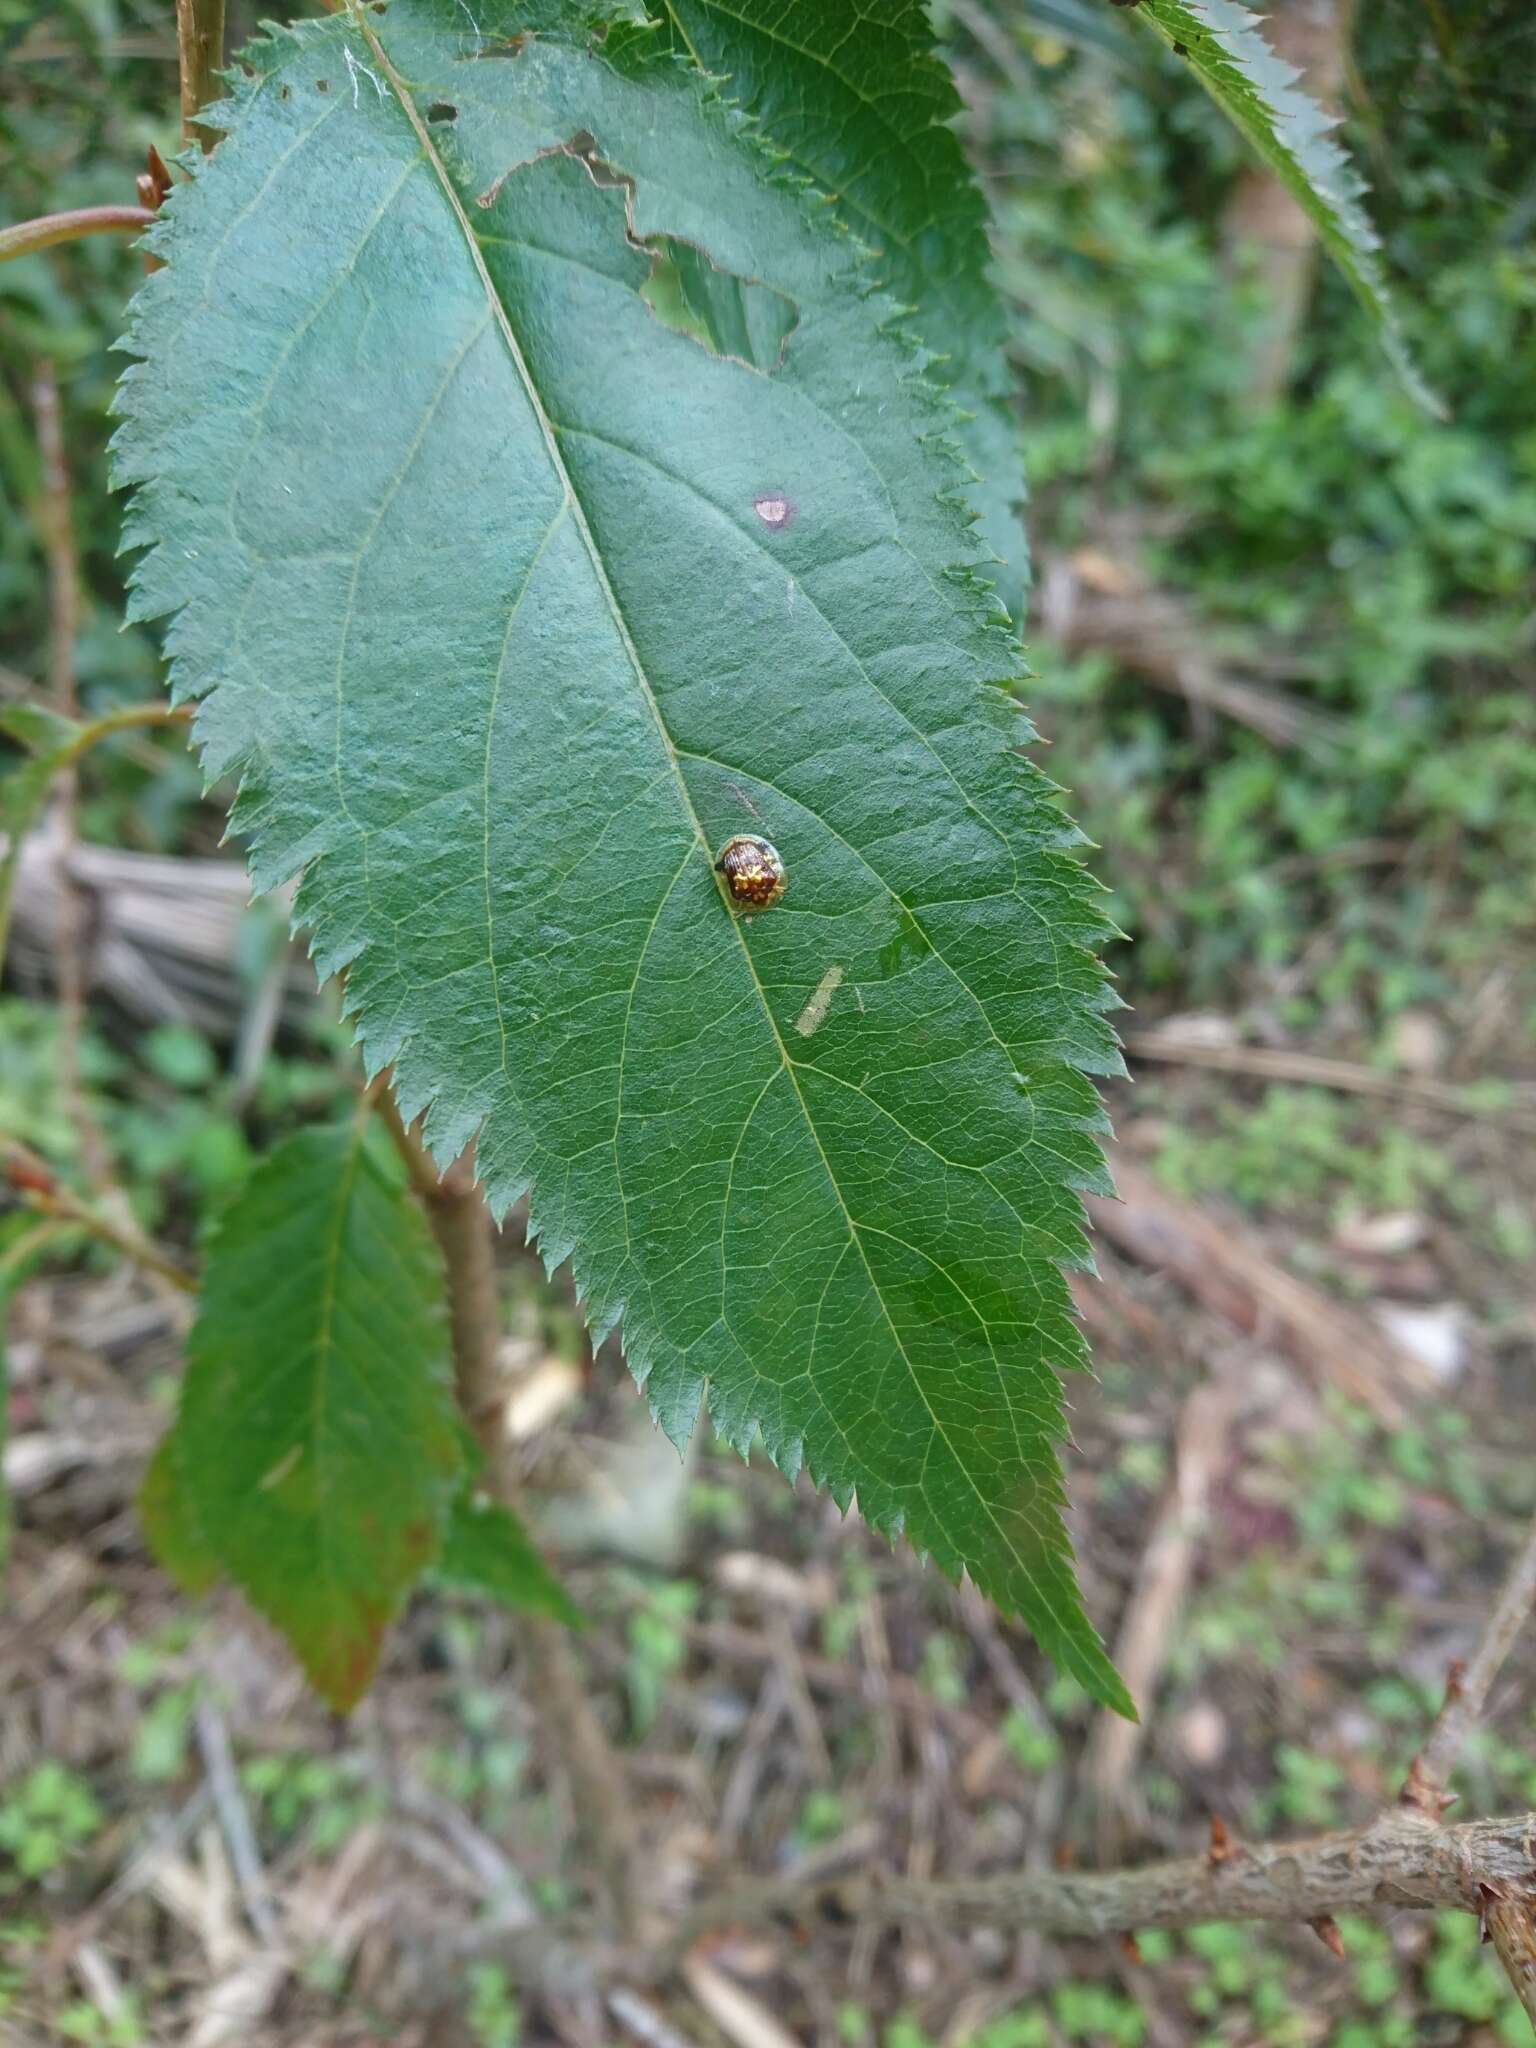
<point x="49" y="228"/>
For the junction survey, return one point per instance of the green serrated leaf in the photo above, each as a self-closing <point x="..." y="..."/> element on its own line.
<point x="859" y="102"/>
<point x="316" y="1449"/>
<point x="1221" y="42"/>
<point x="170" y="1527"/>
<point x="486" y="1549"/>
<point x="508" y="604"/>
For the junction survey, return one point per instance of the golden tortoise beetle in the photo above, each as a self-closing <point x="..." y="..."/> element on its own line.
<point x="752" y="870"/>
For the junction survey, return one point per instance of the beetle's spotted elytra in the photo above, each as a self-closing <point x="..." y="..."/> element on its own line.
<point x="752" y="870"/>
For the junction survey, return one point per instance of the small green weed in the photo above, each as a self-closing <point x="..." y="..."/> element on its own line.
<point x="46" y="1818"/>
<point x="323" y="1798"/>
<point x="658" y="1644"/>
<point x="493" y="2014"/>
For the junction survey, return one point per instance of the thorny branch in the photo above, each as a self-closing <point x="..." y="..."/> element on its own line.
<point x="1508" y="1911"/>
<point x="200" y="47"/>
<point x="1466" y="1694"/>
<point x="1395" y="1861"/>
<point x="465" y="1234"/>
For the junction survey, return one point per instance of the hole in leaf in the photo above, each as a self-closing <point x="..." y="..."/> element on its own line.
<point x="441" y="110"/>
<point x="322" y="85"/>
<point x="729" y="315"/>
<point x="738" y="317"/>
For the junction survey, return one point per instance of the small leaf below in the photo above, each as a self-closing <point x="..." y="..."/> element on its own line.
<point x="317" y="1446"/>
<point x="169" y="1525"/>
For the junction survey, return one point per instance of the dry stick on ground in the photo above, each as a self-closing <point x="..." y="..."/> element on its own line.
<point x="465" y="1234"/>
<point x="725" y="1640"/>
<point x="1275" y="1063"/>
<point x="1233" y="1276"/>
<point x="164" y="931"/>
<point x="1092" y="603"/>
<point x="1152" y="1614"/>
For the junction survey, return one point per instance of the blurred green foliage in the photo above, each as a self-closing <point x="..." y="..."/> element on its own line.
<point x="45" y="1818"/>
<point x="89" y="85"/>
<point x="1377" y="566"/>
<point x="1238" y="1985"/>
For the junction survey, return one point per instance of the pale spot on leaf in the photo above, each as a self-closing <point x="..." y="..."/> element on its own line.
<point x="280" y="1470"/>
<point x="821" y="1001"/>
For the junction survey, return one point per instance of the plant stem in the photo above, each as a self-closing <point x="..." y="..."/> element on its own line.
<point x="200" y="47"/>
<point x="1467" y="1693"/>
<point x="1508" y="1911"/>
<point x="55" y="518"/>
<point x="557" y="1686"/>
<point x="26" y="235"/>
<point x="44" y="1195"/>
<point x="124" y="720"/>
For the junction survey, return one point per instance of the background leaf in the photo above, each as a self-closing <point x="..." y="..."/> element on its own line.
<point x="858" y="101"/>
<point x="1222" y="42"/>
<point x="513" y="603"/>
<point x="486" y="1549"/>
<point x="316" y="1448"/>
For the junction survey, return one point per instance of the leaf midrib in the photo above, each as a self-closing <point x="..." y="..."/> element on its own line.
<point x="578" y="512"/>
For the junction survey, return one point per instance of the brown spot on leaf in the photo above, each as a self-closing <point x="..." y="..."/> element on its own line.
<point x="514" y="46"/>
